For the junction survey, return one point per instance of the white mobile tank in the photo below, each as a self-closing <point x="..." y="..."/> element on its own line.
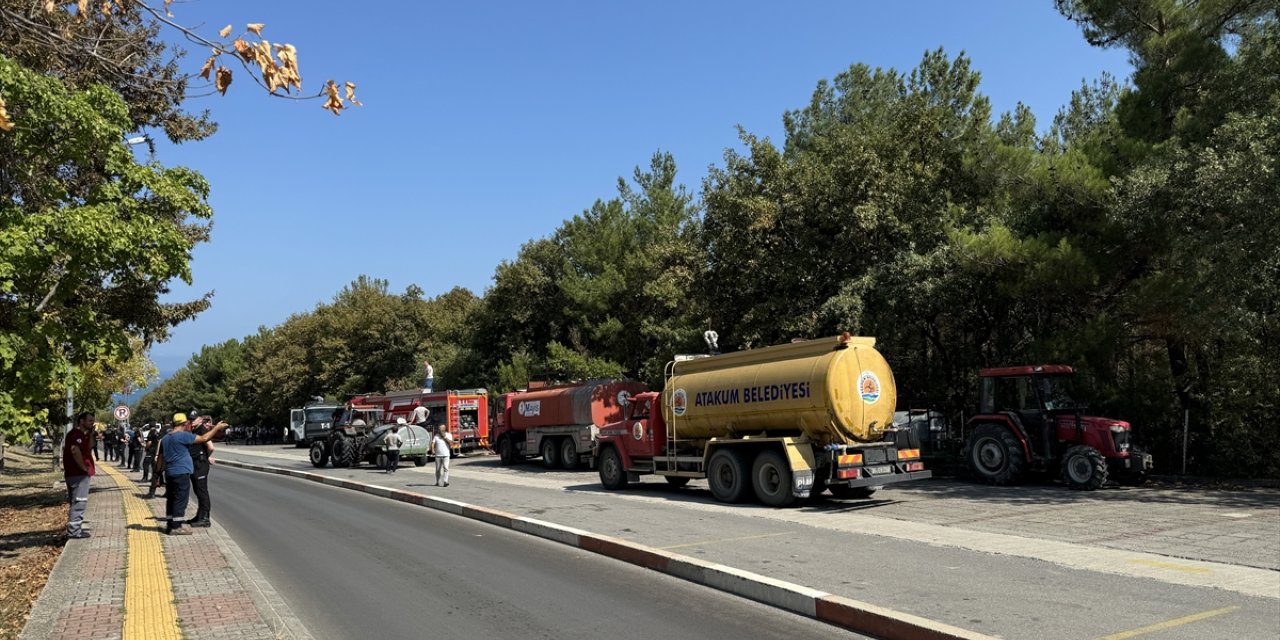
<point x="836" y="390"/>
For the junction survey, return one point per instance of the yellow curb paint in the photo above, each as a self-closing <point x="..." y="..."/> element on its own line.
<point x="1169" y="624"/>
<point x="149" y="612"/>
<point x="1174" y="566"/>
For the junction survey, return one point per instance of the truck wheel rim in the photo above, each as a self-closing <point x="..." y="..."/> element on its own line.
<point x="770" y="479"/>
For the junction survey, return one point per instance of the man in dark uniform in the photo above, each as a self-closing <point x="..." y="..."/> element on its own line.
<point x="175" y="456"/>
<point x="200" y="453"/>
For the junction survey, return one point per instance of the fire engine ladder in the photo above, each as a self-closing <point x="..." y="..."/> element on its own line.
<point x="669" y="461"/>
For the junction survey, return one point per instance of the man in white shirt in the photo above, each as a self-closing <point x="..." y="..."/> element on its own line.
<point x="442" y="447"/>
<point x="431" y="377"/>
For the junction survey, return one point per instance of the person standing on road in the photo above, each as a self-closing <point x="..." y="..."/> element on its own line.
<point x="201" y="458"/>
<point x="392" y="442"/>
<point x="442" y="447"/>
<point x="175" y="456"/>
<point x="78" y="469"/>
<point x="97" y="437"/>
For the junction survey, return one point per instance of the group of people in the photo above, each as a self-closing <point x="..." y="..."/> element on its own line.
<point x="441" y="444"/>
<point x="177" y="455"/>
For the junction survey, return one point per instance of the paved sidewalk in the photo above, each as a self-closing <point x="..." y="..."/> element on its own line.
<point x="130" y="580"/>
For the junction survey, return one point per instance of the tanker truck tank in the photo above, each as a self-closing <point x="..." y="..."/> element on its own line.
<point x="832" y="391"/>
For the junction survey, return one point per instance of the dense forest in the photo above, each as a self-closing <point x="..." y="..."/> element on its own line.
<point x="1135" y="236"/>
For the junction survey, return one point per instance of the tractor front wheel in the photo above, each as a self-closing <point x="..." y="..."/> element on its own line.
<point x="319" y="454"/>
<point x="1084" y="468"/>
<point x="995" y="455"/>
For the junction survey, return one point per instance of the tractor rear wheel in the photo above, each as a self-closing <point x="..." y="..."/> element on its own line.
<point x="995" y="455"/>
<point x="569" y="457"/>
<point x="343" y="452"/>
<point x="728" y="476"/>
<point x="771" y="477"/>
<point x="1084" y="468"/>
<point x="612" y="475"/>
<point x="550" y="453"/>
<point x="380" y="461"/>
<point x="319" y="454"/>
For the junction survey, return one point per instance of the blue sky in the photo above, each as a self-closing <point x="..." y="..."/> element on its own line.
<point x="486" y="124"/>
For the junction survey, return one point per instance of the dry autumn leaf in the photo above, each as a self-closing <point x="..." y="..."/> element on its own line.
<point x="106" y="7"/>
<point x="334" y="101"/>
<point x="50" y="5"/>
<point x="226" y="31"/>
<point x="351" y="94"/>
<point x="82" y="9"/>
<point x="208" y="66"/>
<point x="5" y="123"/>
<point x="255" y="27"/>
<point x="244" y="49"/>
<point x="289" y="66"/>
<point x="222" y="80"/>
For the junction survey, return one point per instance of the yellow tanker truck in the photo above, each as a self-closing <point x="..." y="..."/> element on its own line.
<point x="782" y="423"/>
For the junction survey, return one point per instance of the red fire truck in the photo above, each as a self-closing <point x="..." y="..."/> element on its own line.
<point x="464" y="411"/>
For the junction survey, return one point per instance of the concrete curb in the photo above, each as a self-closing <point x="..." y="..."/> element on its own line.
<point x="859" y="617"/>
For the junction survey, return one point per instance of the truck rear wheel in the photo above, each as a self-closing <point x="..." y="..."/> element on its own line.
<point x="319" y="454"/>
<point x="420" y="461"/>
<point x="550" y="453"/>
<point x="728" y="476"/>
<point x="1084" y="468"/>
<point x="995" y="455"/>
<point x="569" y="458"/>
<point x="612" y="475"/>
<point x="771" y="478"/>
<point x="506" y="451"/>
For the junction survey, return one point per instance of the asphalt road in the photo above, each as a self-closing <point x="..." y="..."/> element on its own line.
<point x="356" y="566"/>
<point x="960" y="573"/>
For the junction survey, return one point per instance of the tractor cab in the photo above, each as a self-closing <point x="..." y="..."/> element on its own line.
<point x="1032" y="398"/>
<point x="1034" y="418"/>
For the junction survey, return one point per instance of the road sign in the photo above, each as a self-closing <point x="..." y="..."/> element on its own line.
<point x="122" y="413"/>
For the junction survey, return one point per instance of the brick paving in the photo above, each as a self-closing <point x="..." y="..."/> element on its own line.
<point x="216" y="592"/>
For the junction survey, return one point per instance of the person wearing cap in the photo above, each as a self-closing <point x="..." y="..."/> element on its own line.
<point x="391" y="443"/>
<point x="175" y="456"/>
<point x="77" y="469"/>
<point x="201" y="458"/>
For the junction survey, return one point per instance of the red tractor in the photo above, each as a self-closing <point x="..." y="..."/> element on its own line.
<point x="1030" y="420"/>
